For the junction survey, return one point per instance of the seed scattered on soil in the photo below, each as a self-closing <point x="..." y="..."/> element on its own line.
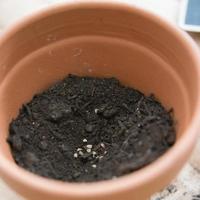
<point x="103" y="145"/>
<point x="80" y="153"/>
<point x="75" y="155"/>
<point x="88" y="150"/>
<point x="89" y="146"/>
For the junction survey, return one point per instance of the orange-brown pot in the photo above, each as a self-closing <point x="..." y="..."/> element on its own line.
<point x="100" y="39"/>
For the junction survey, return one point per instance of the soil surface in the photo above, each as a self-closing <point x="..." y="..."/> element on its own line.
<point x="85" y="129"/>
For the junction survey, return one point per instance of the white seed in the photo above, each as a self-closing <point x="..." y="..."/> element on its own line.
<point x="79" y="149"/>
<point x="94" y="166"/>
<point x="102" y="145"/>
<point x="84" y="140"/>
<point x="75" y="155"/>
<point x="89" y="150"/>
<point x="105" y="152"/>
<point x="94" y="153"/>
<point x="96" y="110"/>
<point x="80" y="153"/>
<point x="89" y="146"/>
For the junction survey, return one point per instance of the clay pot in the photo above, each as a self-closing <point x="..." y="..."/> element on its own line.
<point x="100" y="39"/>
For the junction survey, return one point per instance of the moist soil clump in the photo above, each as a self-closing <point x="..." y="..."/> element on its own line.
<point x="85" y="129"/>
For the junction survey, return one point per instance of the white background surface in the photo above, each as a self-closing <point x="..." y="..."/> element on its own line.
<point x="188" y="182"/>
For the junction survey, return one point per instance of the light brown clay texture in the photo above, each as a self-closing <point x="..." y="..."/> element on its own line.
<point x="100" y="39"/>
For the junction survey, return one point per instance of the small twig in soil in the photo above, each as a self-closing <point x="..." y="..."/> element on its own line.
<point x="93" y="91"/>
<point x="72" y="97"/>
<point x="127" y="108"/>
<point x="57" y="135"/>
<point x="146" y="108"/>
<point x="28" y="110"/>
<point x="50" y="166"/>
<point x="139" y="104"/>
<point x="87" y="104"/>
<point x="134" y="132"/>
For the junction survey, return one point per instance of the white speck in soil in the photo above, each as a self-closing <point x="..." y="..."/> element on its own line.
<point x="84" y="140"/>
<point x="96" y="110"/>
<point x="75" y="155"/>
<point x="80" y="153"/>
<point x="89" y="150"/>
<point x="102" y="145"/>
<point x="94" y="166"/>
<point x="43" y="137"/>
<point x="89" y="146"/>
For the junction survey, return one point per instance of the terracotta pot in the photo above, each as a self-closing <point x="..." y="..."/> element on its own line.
<point x="100" y="39"/>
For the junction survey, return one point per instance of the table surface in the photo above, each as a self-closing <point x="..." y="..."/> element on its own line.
<point x="187" y="184"/>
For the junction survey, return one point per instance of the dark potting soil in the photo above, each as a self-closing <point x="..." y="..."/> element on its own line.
<point x="86" y="129"/>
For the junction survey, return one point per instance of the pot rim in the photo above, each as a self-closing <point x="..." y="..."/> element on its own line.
<point x="133" y="180"/>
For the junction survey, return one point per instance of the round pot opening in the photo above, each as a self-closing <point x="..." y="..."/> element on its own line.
<point x="101" y="40"/>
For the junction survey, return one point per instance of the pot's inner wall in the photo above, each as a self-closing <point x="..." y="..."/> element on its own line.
<point x="96" y="42"/>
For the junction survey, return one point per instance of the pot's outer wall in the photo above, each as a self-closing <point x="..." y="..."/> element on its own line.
<point x="100" y="40"/>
